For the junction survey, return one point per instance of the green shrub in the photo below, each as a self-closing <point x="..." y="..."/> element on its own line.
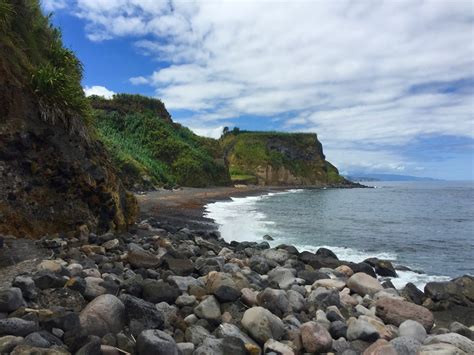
<point x="6" y="14"/>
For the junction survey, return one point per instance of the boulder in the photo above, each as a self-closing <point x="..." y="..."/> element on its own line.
<point x="283" y="277"/>
<point x="411" y="328"/>
<point x="385" y="268"/>
<point x="262" y="325"/>
<point x="329" y="283"/>
<point x="275" y="347"/>
<point x="296" y="300"/>
<point x="394" y="311"/>
<point x="315" y="338"/>
<point x="276" y="301"/>
<point x="457" y="340"/>
<point x="311" y="276"/>
<point x="364" y="284"/>
<point x="440" y="349"/>
<point x="159" y="291"/>
<point x="7" y="343"/>
<point x="209" y="309"/>
<point x="459" y="291"/>
<point x="278" y="256"/>
<point x="141" y="315"/>
<point x="323" y="297"/>
<point x="361" y="330"/>
<point x="456" y="327"/>
<point x="11" y="299"/>
<point x="222" y="286"/>
<point x="380" y="347"/>
<point x="196" y="334"/>
<point x="157" y="342"/>
<point x="17" y="327"/>
<point x="26" y="285"/>
<point x="180" y="267"/>
<point x="413" y="294"/>
<point x="326" y="253"/>
<point x="105" y="314"/>
<point x="405" y="345"/>
<point x="141" y="258"/>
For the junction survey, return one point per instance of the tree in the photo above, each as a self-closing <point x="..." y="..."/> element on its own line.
<point x="225" y="131"/>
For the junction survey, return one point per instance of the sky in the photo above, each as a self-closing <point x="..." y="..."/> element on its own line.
<point x="388" y="86"/>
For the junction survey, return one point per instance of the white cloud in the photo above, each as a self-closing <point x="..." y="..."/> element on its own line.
<point x="358" y="73"/>
<point x="139" y="80"/>
<point x="99" y="91"/>
<point x="212" y="132"/>
<point x="52" y="5"/>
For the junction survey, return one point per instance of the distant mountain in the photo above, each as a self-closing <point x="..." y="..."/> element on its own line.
<point x="387" y="177"/>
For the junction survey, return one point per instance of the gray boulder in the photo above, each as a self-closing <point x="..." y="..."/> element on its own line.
<point x="11" y="299"/>
<point x="105" y="314"/>
<point x="17" y="327"/>
<point x="262" y="325"/>
<point x="157" y="342"/>
<point x="411" y="328"/>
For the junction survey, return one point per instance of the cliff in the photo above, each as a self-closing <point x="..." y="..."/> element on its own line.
<point x="279" y="159"/>
<point x="149" y="149"/>
<point x="54" y="176"/>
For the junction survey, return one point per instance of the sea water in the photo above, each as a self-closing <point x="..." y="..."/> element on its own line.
<point x="426" y="226"/>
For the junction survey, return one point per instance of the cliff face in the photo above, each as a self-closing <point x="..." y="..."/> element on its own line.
<point x="279" y="159"/>
<point x="54" y="176"/>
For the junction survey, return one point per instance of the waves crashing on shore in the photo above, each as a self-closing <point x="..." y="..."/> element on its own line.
<point x="241" y="219"/>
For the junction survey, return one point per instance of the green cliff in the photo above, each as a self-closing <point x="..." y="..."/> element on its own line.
<point x="279" y="159"/>
<point x="149" y="149"/>
<point x="54" y="176"/>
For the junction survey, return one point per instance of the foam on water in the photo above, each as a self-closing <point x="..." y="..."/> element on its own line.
<point x="241" y="220"/>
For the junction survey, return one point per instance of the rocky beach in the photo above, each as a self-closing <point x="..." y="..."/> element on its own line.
<point x="172" y="285"/>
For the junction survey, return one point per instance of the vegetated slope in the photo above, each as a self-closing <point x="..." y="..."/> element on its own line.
<point x="149" y="149"/>
<point x="277" y="158"/>
<point x="54" y="176"/>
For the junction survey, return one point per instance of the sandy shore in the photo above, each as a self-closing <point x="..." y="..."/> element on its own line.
<point x="185" y="207"/>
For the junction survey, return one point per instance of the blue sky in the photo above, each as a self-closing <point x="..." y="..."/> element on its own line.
<point x="387" y="85"/>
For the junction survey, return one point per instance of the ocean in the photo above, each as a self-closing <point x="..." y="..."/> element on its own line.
<point x="427" y="226"/>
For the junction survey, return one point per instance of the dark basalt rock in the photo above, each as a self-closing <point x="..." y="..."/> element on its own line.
<point x="159" y="291"/>
<point x="311" y="276"/>
<point x="141" y="314"/>
<point x="326" y="253"/>
<point x="413" y="294"/>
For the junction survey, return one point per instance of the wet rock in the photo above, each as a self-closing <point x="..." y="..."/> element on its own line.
<point x="141" y="315"/>
<point x="395" y="312"/>
<point x="405" y="345"/>
<point x="364" y="284"/>
<point x="457" y="340"/>
<point x="262" y="325"/>
<point x="411" y="328"/>
<point x="276" y="301"/>
<point x="141" y="258"/>
<point x="17" y="326"/>
<point x="315" y="338"/>
<point x="209" y="309"/>
<point x="159" y="291"/>
<point x="7" y="343"/>
<point x="413" y="294"/>
<point x="11" y="299"/>
<point x="156" y="342"/>
<point x="105" y="314"/>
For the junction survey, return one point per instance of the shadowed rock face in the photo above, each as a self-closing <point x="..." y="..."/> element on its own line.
<point x="52" y="180"/>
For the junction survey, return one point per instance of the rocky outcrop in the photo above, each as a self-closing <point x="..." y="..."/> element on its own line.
<point x="279" y="159"/>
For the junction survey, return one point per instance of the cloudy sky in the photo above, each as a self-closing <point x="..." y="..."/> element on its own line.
<point x="387" y="85"/>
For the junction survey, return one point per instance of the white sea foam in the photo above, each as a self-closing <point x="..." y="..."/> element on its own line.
<point x="240" y="220"/>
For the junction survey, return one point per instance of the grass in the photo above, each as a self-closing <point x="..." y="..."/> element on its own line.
<point x="143" y="139"/>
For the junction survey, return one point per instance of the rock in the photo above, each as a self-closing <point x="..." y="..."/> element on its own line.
<point x="141" y="258"/>
<point x="94" y="287"/>
<point x="454" y="339"/>
<point x="362" y="330"/>
<point x="111" y="244"/>
<point x="156" y="342"/>
<point x="196" y="334"/>
<point x="75" y="269"/>
<point x="405" y="345"/>
<point x="278" y="256"/>
<point x="11" y="299"/>
<point x="141" y="315"/>
<point x="456" y="327"/>
<point x="185" y="348"/>
<point x="180" y="267"/>
<point x="185" y="300"/>
<point x="440" y="349"/>
<point x="459" y="291"/>
<point x="296" y="300"/>
<point x="323" y="297"/>
<point x="315" y="338"/>
<point x="17" y="327"/>
<point x="364" y="284"/>
<point x="42" y="339"/>
<point x="259" y="264"/>
<point x="338" y="329"/>
<point x="275" y="347"/>
<point x="50" y="265"/>
<point x="329" y="283"/>
<point x="222" y="286"/>
<point x="262" y="325"/>
<point x="30" y="350"/>
<point x="249" y="297"/>
<point x="326" y="253"/>
<point x="385" y="268"/>
<point x="311" y="276"/>
<point x="47" y="279"/>
<point x="411" y="328"/>
<point x="230" y="330"/>
<point x="183" y="282"/>
<point x="92" y="249"/>
<point x="209" y="309"/>
<point x="267" y="237"/>
<point x="159" y="291"/>
<point x="105" y="314"/>
<point x="284" y="277"/>
<point x="61" y="297"/>
<point x="276" y="301"/>
<point x="413" y="294"/>
<point x="7" y="343"/>
<point x="395" y="312"/>
<point x="380" y="347"/>
<point x="344" y="269"/>
<point x="221" y="347"/>
<point x="26" y="285"/>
